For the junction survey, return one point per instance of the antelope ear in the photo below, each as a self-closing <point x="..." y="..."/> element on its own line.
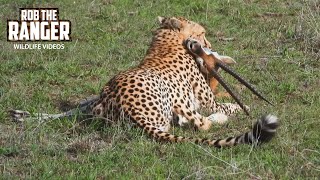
<point x="161" y="19"/>
<point x="227" y="60"/>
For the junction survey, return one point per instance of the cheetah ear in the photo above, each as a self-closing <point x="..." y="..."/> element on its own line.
<point x="161" y="19"/>
<point x="227" y="60"/>
<point x="175" y="23"/>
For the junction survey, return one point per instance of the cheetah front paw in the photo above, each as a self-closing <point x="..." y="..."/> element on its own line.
<point x="18" y="115"/>
<point x="218" y="118"/>
<point x="239" y="109"/>
<point x="247" y="108"/>
<point x="21" y="116"/>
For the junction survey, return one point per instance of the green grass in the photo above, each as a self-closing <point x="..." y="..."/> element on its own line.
<point x="278" y="52"/>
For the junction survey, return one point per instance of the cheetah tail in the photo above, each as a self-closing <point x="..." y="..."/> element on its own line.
<point x="262" y="131"/>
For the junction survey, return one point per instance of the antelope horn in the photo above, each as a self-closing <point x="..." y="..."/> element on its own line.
<point x="222" y="65"/>
<point x="241" y="80"/>
<point x="228" y="89"/>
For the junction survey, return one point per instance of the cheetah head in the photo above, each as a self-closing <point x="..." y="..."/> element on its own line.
<point x="186" y="28"/>
<point x="189" y="29"/>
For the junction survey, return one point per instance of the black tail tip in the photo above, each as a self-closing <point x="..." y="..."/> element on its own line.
<point x="265" y="129"/>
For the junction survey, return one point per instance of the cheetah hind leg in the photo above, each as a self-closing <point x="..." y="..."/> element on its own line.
<point x="20" y="115"/>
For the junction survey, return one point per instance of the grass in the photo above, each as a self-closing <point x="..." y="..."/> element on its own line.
<point x="276" y="45"/>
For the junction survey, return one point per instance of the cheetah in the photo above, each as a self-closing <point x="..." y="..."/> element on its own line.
<point x="168" y="83"/>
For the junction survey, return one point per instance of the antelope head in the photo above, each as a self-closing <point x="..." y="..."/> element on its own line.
<point x="212" y="61"/>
